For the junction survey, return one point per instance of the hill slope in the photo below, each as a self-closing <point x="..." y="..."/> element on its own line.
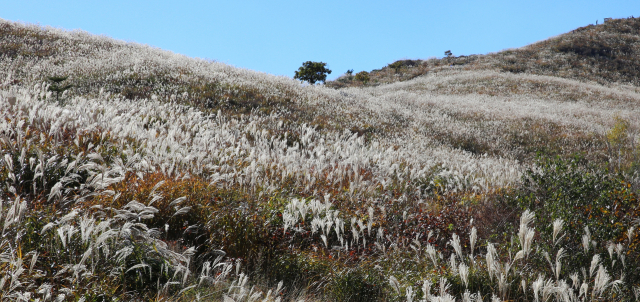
<point x="606" y="53"/>
<point x="157" y="174"/>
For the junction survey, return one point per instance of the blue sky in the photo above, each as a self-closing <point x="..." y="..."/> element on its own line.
<point x="277" y="36"/>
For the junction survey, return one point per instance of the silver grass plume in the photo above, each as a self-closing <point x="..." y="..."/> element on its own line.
<point x="557" y="228"/>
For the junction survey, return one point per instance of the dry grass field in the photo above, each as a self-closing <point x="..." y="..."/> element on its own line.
<point x="511" y="176"/>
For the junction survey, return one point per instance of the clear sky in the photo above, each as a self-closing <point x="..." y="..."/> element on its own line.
<point x="275" y="36"/>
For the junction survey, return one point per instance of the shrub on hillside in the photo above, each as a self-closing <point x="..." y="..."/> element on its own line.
<point x="594" y="47"/>
<point x="362" y="76"/>
<point x="588" y="199"/>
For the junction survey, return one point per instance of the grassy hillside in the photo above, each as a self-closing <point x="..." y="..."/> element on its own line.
<point x="606" y="53"/>
<point x="162" y="177"/>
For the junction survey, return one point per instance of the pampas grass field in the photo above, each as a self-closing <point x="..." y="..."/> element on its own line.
<point x="511" y="176"/>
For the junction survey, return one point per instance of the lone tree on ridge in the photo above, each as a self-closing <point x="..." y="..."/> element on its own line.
<point x="312" y="72"/>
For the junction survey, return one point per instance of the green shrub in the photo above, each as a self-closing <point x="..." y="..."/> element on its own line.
<point x="396" y="66"/>
<point x="362" y="76"/>
<point x="355" y="285"/>
<point x="584" y="196"/>
<point x="57" y="87"/>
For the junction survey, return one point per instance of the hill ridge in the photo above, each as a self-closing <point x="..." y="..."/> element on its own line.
<point x="605" y="53"/>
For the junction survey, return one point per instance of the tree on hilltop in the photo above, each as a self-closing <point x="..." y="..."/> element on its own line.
<point x="312" y="72"/>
